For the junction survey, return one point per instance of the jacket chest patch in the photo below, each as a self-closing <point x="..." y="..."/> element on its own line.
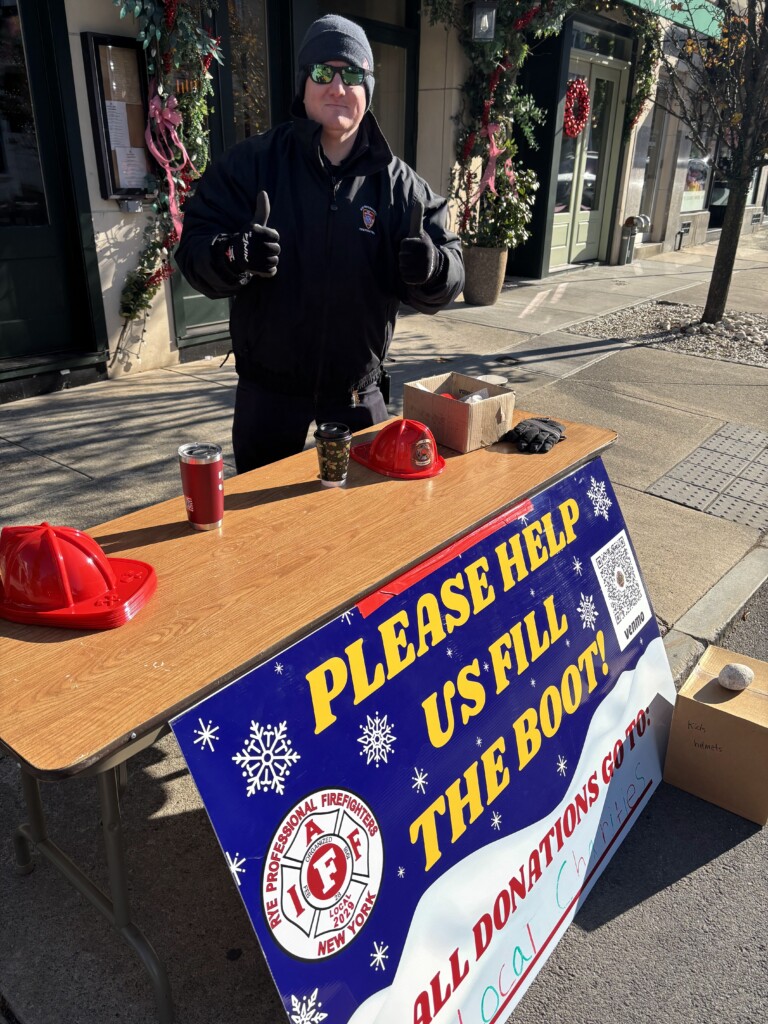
<point x="369" y="219"/>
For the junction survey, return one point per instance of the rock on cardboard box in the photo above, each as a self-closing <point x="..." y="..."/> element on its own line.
<point x="718" y="743"/>
<point x="459" y="425"/>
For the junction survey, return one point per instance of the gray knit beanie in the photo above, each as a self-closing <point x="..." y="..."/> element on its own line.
<point x="335" y="38"/>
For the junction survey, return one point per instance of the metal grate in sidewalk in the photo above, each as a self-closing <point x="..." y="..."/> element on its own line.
<point x="726" y="476"/>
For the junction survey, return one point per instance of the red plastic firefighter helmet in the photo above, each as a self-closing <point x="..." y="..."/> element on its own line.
<point x="59" y="576"/>
<point x="404" y="449"/>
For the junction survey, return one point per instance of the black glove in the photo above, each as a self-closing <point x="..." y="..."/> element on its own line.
<point x="536" y="435"/>
<point x="420" y="259"/>
<point x="252" y="252"/>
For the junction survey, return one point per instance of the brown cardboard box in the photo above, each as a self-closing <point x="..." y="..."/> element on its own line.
<point x="455" y="424"/>
<point x="718" y="743"/>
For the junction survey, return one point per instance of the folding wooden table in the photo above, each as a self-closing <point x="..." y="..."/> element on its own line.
<point x="290" y="556"/>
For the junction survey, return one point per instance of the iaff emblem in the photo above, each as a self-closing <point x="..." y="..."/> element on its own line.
<point x="322" y="874"/>
<point x="369" y="216"/>
<point x="423" y="454"/>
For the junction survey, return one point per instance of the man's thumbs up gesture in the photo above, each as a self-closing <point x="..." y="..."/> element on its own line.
<point x="252" y="252"/>
<point x="419" y="258"/>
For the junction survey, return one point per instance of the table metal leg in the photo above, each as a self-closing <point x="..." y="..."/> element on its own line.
<point x="122" y="778"/>
<point x="116" y="911"/>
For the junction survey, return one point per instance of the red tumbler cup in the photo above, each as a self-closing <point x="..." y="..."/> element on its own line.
<point x="202" y="480"/>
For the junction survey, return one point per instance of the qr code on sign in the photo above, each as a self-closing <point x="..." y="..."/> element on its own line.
<point x="619" y="579"/>
<point x="616" y="569"/>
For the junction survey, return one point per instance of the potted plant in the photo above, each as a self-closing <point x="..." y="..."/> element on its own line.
<point x="494" y="203"/>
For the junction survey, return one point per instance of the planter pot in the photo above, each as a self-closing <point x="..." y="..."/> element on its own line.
<point x="484" y="272"/>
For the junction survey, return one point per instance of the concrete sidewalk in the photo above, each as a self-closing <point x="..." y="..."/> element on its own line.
<point x="673" y="930"/>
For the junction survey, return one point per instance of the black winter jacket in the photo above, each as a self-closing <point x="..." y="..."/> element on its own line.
<point x="323" y="323"/>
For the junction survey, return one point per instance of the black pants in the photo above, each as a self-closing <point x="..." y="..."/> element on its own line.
<point x="268" y="426"/>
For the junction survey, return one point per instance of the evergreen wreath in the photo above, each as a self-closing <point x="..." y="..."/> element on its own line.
<point x="577" y="107"/>
<point x="179" y="53"/>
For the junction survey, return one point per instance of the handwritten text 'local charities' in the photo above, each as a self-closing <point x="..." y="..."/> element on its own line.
<point x="411" y="633"/>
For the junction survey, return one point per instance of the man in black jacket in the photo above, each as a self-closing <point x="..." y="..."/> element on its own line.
<point x="319" y="233"/>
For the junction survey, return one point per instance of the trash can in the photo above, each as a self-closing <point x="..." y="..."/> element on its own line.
<point x="628" y="236"/>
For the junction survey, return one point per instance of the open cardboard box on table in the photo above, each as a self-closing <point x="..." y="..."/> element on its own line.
<point x="455" y="424"/>
<point x="718" y="743"/>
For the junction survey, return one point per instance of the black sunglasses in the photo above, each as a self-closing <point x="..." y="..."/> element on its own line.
<point x="323" y="74"/>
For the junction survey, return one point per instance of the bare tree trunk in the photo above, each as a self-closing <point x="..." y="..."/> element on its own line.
<point x="725" y="257"/>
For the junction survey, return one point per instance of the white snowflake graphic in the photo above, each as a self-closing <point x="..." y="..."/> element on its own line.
<point x="600" y="500"/>
<point x="347" y="617"/>
<point x="377" y="739"/>
<point x="420" y="780"/>
<point x="236" y="866"/>
<point x="478" y="742"/>
<point x="206" y="734"/>
<point x="486" y="666"/>
<point x="532" y="592"/>
<point x="567" y="642"/>
<point x="307" y="1011"/>
<point x="449" y="651"/>
<point x="496" y="820"/>
<point x="266" y="758"/>
<point x="533" y="681"/>
<point x="562" y="765"/>
<point x="378" y="956"/>
<point x="577" y="567"/>
<point x="524" y="520"/>
<point x="279" y="667"/>
<point x="588" y="612"/>
<point x="401" y="872"/>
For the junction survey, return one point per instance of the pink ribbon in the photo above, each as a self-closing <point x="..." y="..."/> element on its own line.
<point x="509" y="170"/>
<point x="488" y="180"/>
<point x="163" y="143"/>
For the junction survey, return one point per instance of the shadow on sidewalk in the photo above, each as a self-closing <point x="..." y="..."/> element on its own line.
<point x="675" y="836"/>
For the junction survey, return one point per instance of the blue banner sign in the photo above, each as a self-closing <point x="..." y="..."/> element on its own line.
<point x="415" y="799"/>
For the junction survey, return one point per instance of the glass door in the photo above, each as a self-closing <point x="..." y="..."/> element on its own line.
<point x="588" y="164"/>
<point x="38" y="273"/>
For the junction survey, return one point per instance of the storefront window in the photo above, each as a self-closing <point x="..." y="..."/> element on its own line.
<point x="696" y="180"/>
<point x="720" y="192"/>
<point x="22" y="197"/>
<point x="250" y="78"/>
<point x="596" y="40"/>
<point x="653" y="160"/>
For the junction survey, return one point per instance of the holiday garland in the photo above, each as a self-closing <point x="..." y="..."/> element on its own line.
<point x="490" y="93"/>
<point x="577" y="107"/>
<point x="179" y="52"/>
<point x="493" y="193"/>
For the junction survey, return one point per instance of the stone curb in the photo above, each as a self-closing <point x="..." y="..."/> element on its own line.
<point x="709" y="618"/>
<point x="683" y="652"/>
